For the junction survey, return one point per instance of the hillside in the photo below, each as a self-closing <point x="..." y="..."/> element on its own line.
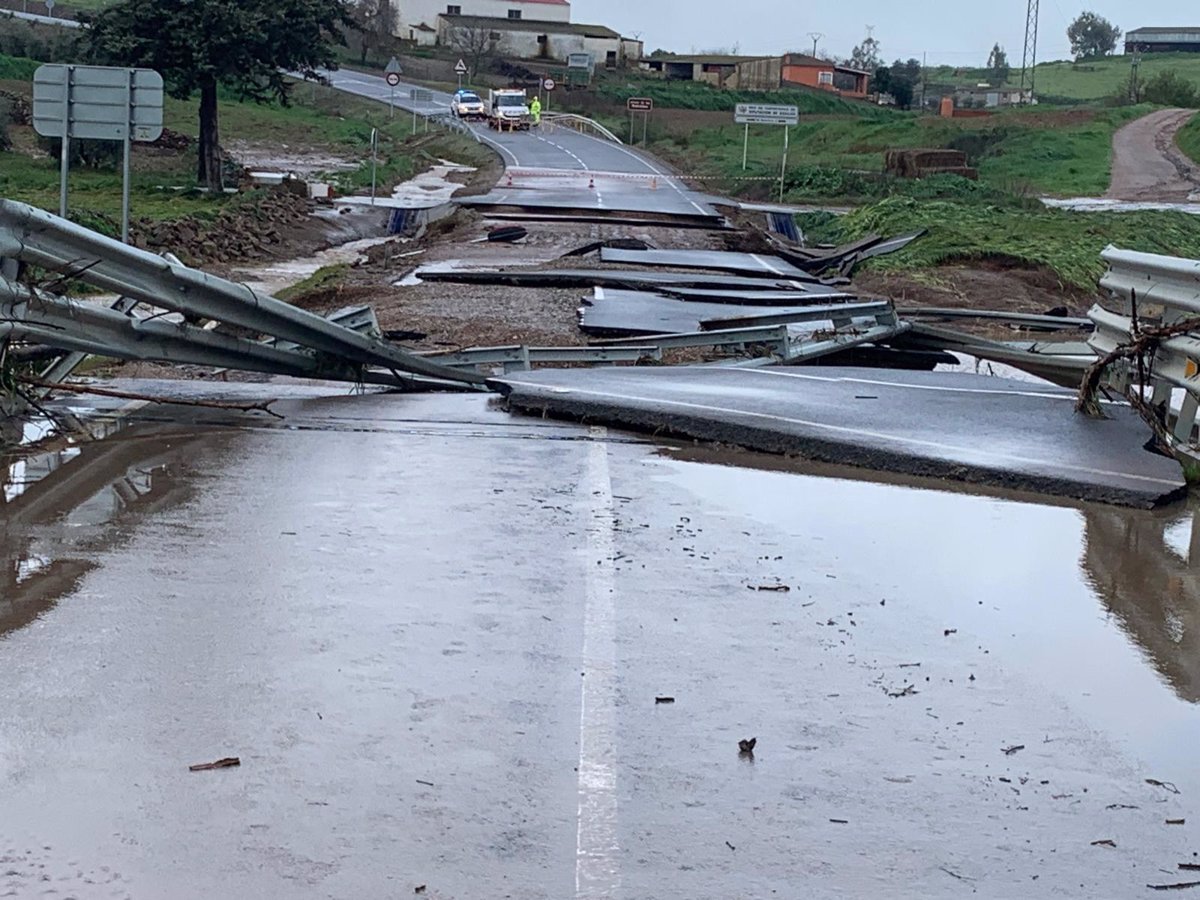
<point x="1082" y="82"/>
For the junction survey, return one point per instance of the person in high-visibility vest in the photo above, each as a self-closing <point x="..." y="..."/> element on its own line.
<point x="535" y="110"/>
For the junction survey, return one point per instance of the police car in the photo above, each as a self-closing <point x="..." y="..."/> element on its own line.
<point x="467" y="105"/>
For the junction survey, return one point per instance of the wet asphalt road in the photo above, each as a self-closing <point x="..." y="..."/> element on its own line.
<point x="555" y="166"/>
<point x="435" y="636"/>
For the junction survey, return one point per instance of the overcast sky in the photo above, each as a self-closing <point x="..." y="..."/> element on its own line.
<point x="956" y="32"/>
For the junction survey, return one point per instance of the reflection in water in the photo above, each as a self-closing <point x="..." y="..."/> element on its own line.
<point x="1151" y="587"/>
<point x="64" y="487"/>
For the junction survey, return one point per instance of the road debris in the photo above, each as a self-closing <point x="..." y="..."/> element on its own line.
<point x="1015" y="748"/>
<point x="907" y="691"/>
<point x="419" y="889"/>
<point x="1105" y="843"/>
<point x="949" y="631"/>
<point x="1165" y="785"/>
<point x="1179" y="886"/>
<point x="730" y="846"/>
<point x="840" y="821"/>
<point x="661" y="700"/>
<point x="228" y="762"/>
<point x="746" y="746"/>
<point x="779" y="588"/>
<point x="1176" y="821"/>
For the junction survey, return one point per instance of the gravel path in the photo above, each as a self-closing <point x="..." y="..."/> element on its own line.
<point x="1147" y="163"/>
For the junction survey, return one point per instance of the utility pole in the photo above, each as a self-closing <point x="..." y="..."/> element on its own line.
<point x="816" y="36"/>
<point x="1029" y="57"/>
<point x="1135" y="85"/>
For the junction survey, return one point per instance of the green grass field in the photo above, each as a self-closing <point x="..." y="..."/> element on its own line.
<point x="319" y="120"/>
<point x="1080" y="82"/>
<point x="1038" y="151"/>
<point x="1189" y="139"/>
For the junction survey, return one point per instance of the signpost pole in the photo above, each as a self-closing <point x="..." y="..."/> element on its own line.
<point x="65" y="153"/>
<point x="631" y="126"/>
<point x="392" y="103"/>
<point x="374" y="155"/>
<point x="787" y="131"/>
<point x="746" y="147"/>
<point x="645" y="128"/>
<point x="128" y="153"/>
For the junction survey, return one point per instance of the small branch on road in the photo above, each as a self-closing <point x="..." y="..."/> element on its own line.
<point x="262" y="406"/>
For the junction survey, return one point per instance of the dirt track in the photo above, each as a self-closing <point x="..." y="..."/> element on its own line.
<point x="1147" y="163"/>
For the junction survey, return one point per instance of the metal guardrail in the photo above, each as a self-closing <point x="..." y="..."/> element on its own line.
<point x="579" y="123"/>
<point x="519" y="358"/>
<point x="1154" y="291"/>
<point x="39" y="238"/>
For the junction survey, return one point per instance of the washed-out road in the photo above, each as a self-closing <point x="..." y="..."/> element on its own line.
<point x="476" y="655"/>
<point x="1148" y="165"/>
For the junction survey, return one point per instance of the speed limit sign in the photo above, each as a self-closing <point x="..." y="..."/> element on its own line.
<point x="549" y="84"/>
<point x="392" y="78"/>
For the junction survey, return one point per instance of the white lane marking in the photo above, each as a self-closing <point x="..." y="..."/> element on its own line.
<point x="842" y="429"/>
<point x="767" y="264"/>
<point x="498" y="146"/>
<point x="670" y="179"/>
<point x="597" y="870"/>
<point x="1045" y="395"/>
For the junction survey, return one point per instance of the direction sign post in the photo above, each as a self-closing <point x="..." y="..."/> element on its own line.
<point x="748" y="114"/>
<point x="97" y="103"/>
<point x="644" y="105"/>
<point x="391" y="74"/>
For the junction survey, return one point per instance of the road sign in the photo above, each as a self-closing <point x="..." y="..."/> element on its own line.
<point x="392" y="78"/>
<point x="50" y="6"/>
<point x="549" y="84"/>
<point x="393" y="67"/>
<point x="460" y="68"/>
<point x="97" y="103"/>
<point x="640" y="104"/>
<point x="765" y="114"/>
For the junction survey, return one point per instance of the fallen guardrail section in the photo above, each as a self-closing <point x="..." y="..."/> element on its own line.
<point x="299" y="343"/>
<point x="1149" y="349"/>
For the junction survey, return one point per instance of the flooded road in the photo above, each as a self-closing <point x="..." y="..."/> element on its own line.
<point x="490" y="656"/>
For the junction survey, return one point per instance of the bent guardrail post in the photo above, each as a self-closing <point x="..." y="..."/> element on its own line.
<point x="37" y="237"/>
<point x="1154" y="340"/>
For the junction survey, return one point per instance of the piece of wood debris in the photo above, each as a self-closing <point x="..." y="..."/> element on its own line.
<point x="661" y="700"/>
<point x="1165" y="785"/>
<point x="1176" y="821"/>
<point x="1190" y="867"/>
<point x="1105" y="843"/>
<point x="228" y="762"/>
<point x="780" y="588"/>
<point x="1178" y="886"/>
<point x="747" y="745"/>
<point x="840" y="821"/>
<point x="906" y="691"/>
<point x="1015" y="748"/>
<point x="419" y="889"/>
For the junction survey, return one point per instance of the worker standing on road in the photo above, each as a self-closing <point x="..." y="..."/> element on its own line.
<point x="535" y="110"/>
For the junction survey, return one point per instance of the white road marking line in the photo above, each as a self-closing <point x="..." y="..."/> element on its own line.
<point x="597" y="870"/>
<point x="842" y="429"/>
<point x="1045" y="395"/>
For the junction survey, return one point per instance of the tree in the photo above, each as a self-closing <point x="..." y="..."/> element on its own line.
<point x="902" y="80"/>
<point x="376" y="22"/>
<point x="997" y="65"/>
<point x="476" y="43"/>
<point x="1092" y="35"/>
<point x="244" y="45"/>
<point x="865" y="57"/>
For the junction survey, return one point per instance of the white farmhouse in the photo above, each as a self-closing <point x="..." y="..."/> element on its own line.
<point x="418" y="19"/>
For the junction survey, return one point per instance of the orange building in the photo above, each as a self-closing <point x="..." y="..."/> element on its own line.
<point x="806" y="71"/>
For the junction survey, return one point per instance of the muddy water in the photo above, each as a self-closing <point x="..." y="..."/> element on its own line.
<point x="1101" y="605"/>
<point x="386" y="607"/>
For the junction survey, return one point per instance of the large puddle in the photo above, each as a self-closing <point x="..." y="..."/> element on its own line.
<point x="1101" y="605"/>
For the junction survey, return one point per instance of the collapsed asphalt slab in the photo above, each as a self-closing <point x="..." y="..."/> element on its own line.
<point x="961" y="427"/>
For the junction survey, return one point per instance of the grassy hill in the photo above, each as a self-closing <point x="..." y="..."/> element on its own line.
<point x="1082" y="82"/>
